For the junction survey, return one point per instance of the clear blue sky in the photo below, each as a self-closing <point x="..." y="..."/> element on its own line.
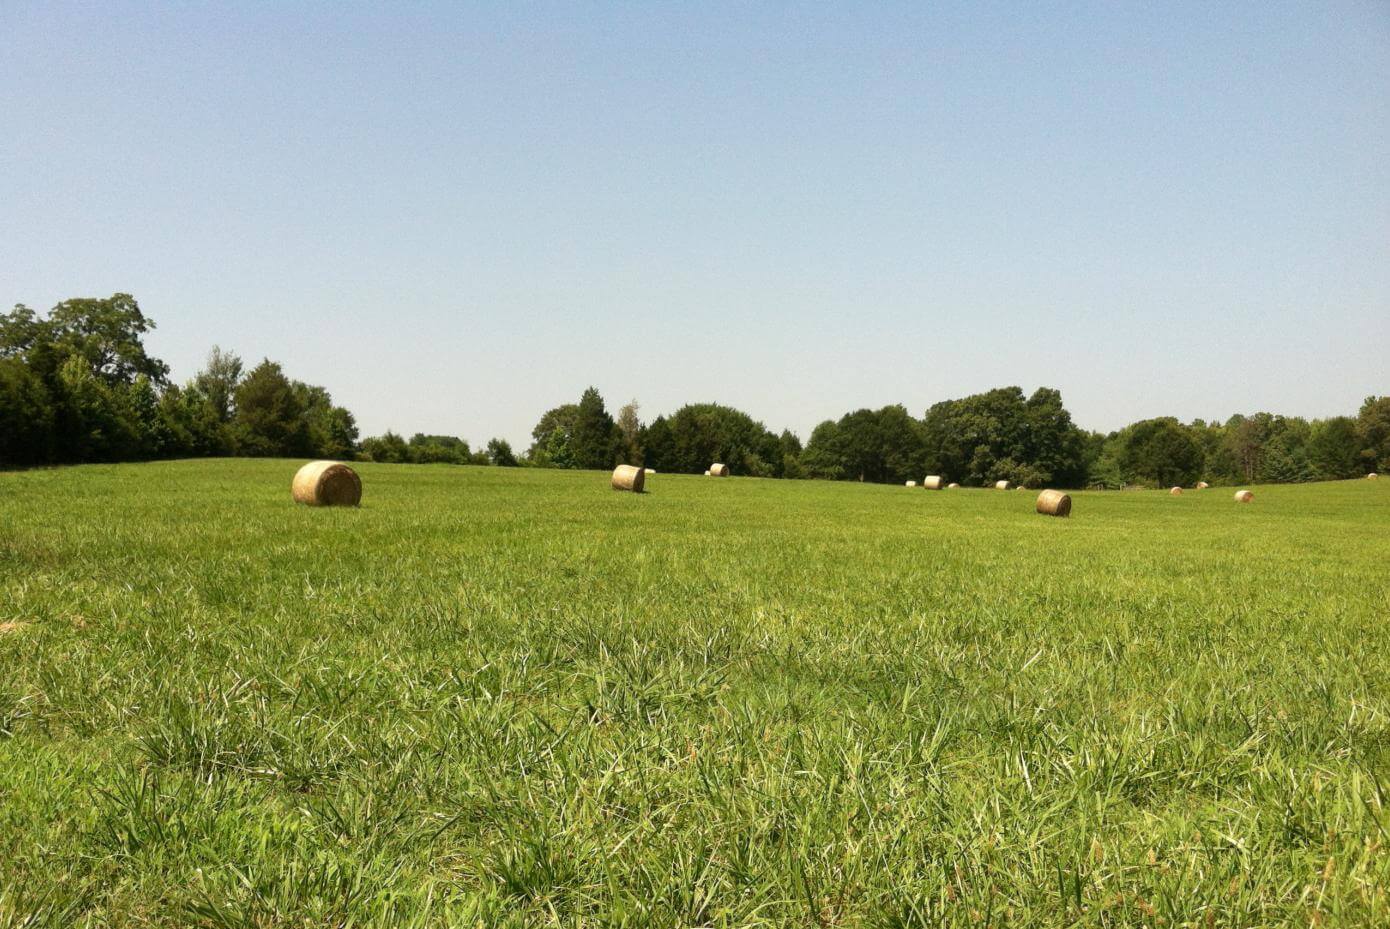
<point x="457" y="218"/>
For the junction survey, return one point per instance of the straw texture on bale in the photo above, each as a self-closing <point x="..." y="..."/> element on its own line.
<point x="719" y="470"/>
<point x="1001" y="485"/>
<point x="933" y="482"/>
<point x="1176" y="491"/>
<point x="1244" y="496"/>
<point x="1054" y="503"/>
<point x="952" y="486"/>
<point x="327" y="483"/>
<point x="1202" y="485"/>
<point x="628" y="477"/>
<point x="910" y="484"/>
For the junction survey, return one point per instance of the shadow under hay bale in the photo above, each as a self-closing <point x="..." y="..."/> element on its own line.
<point x="1054" y="503"/>
<point x="628" y="477"/>
<point x="326" y="483"/>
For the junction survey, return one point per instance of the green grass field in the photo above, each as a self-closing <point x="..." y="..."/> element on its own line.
<point x="499" y="697"/>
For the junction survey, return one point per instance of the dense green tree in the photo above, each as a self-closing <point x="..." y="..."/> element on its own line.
<point x="821" y="457"/>
<point x="332" y="429"/>
<point x="499" y="453"/>
<point x="387" y="447"/>
<point x="26" y="416"/>
<point x="1334" y="448"/>
<point x="1373" y="426"/>
<point x="192" y="422"/>
<point x="1160" y="451"/>
<point x="1000" y="435"/>
<point x="218" y="381"/>
<point x="269" y="420"/>
<point x="869" y="445"/>
<point x="550" y="439"/>
<point x="438" y="449"/>
<point x="657" y="443"/>
<point x="596" y="441"/>
<point x="94" y="422"/>
<point x="106" y="335"/>
<point x="703" y="433"/>
<point x="791" y="454"/>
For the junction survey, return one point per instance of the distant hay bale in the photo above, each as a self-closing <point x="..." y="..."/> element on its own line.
<point x="1054" y="503"/>
<point x="629" y="477"/>
<point x="933" y="482"/>
<point x="952" y="486"/>
<point x="648" y="471"/>
<point x="910" y="484"/>
<point x="1001" y="485"/>
<point x="719" y="470"/>
<point x="327" y="483"/>
<point x="1372" y="476"/>
<point x="706" y="474"/>
<point x="1244" y="496"/>
<point x="1202" y="485"/>
<point x="1176" y="491"/>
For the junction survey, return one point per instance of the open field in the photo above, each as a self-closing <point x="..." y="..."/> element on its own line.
<point x="502" y="697"/>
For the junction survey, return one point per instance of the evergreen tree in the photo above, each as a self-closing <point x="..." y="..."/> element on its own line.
<point x="596" y="439"/>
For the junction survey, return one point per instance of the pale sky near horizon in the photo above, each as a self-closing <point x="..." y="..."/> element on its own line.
<point x="456" y="217"/>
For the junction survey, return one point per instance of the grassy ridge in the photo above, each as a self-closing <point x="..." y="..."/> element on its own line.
<point x="510" y="697"/>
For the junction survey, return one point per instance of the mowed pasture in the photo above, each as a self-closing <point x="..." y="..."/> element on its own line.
<point x="507" y="697"/>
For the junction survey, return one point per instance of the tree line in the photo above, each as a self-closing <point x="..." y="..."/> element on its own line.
<point x="77" y="385"/>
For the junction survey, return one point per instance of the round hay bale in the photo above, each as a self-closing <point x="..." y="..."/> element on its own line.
<point x="1054" y="503"/>
<point x="327" y="483"/>
<point x="719" y="470"/>
<point x="1176" y="491"/>
<point x="706" y="474"/>
<point x="628" y="477"/>
<point x="1244" y="496"/>
<point x="952" y="486"/>
<point x="1202" y="485"/>
<point x="648" y="471"/>
<point x="910" y="484"/>
<point x="933" y="482"/>
<point x="1372" y="476"/>
<point x="1001" y="485"/>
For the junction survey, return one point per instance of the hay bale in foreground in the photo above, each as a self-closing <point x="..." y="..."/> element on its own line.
<point x="1202" y="485"/>
<point x="952" y="486"/>
<point x="1001" y="485"/>
<point x="1244" y="496"/>
<point x="327" y="483"/>
<point x="1054" y="503"/>
<point x="933" y="482"/>
<point x="910" y="484"/>
<point x="719" y="470"/>
<point x="1176" y="491"/>
<point x="628" y="477"/>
